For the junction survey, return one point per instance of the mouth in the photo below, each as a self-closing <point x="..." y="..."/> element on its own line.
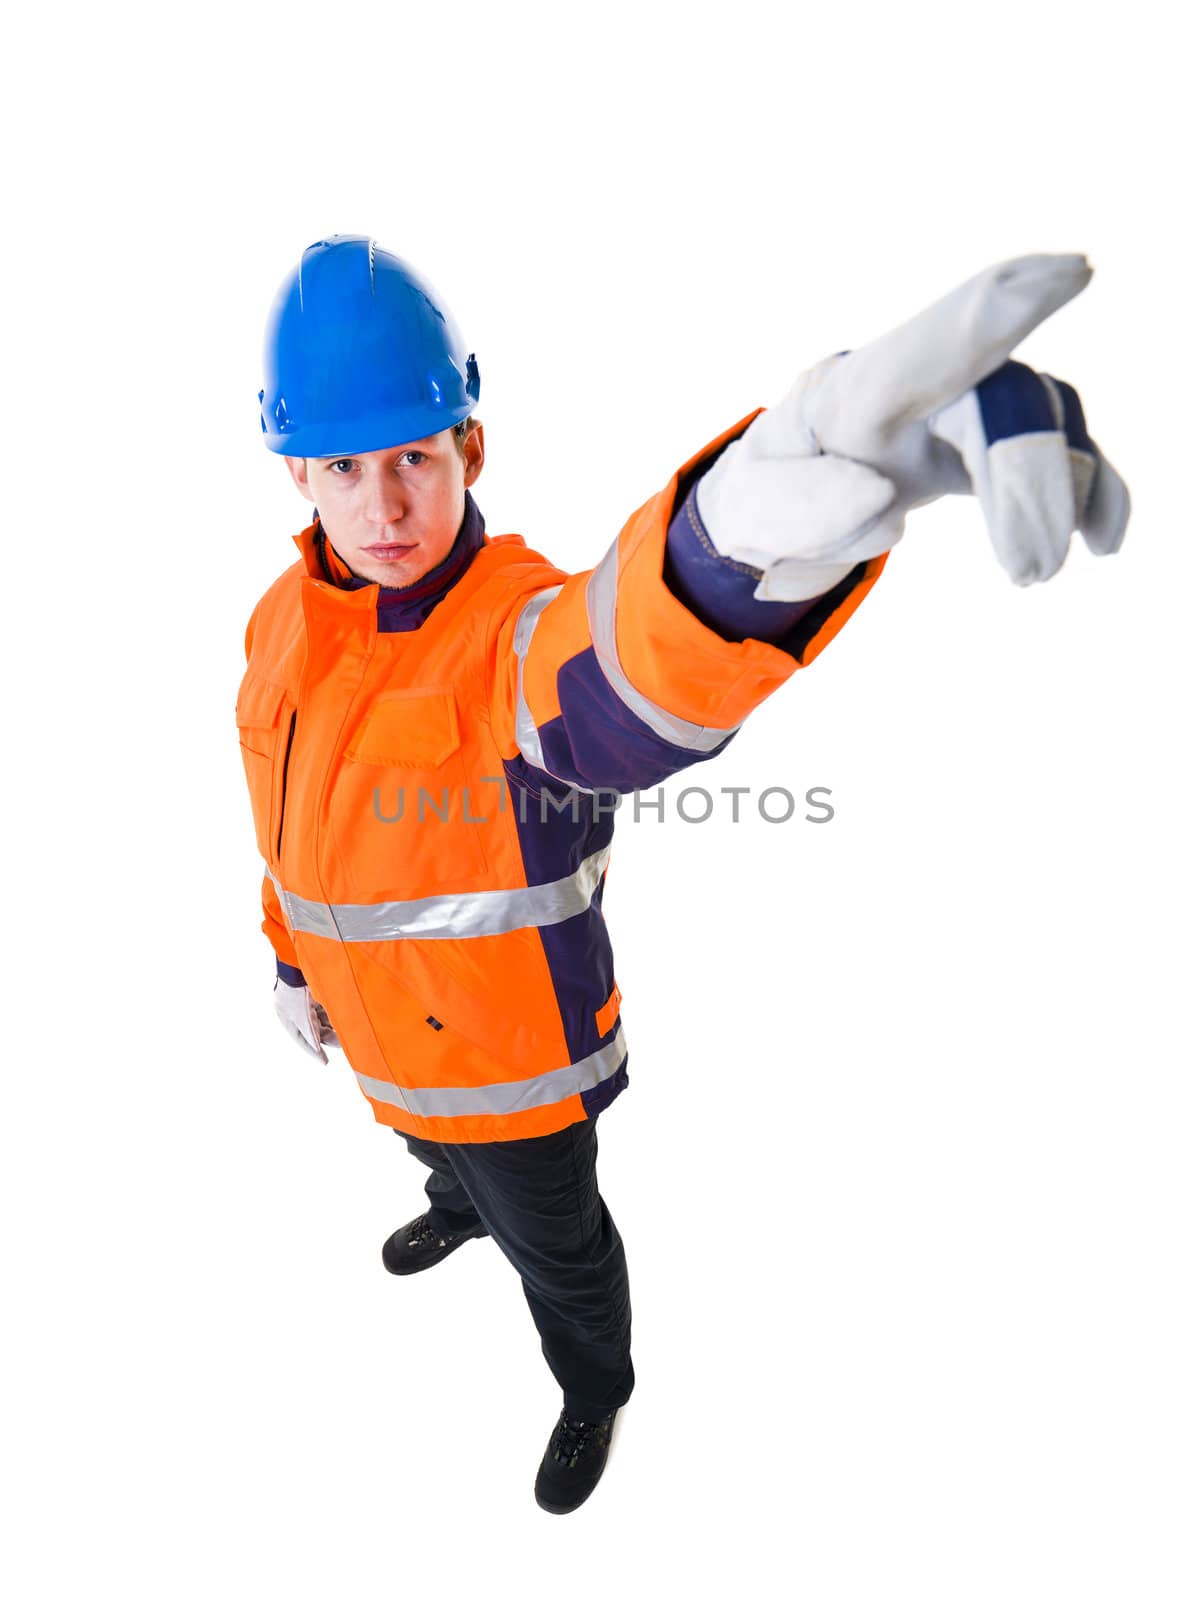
<point x="388" y="552"/>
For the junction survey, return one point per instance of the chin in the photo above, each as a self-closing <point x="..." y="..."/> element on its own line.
<point x="395" y="573"/>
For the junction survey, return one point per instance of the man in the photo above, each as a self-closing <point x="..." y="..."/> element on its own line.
<point x="435" y="722"/>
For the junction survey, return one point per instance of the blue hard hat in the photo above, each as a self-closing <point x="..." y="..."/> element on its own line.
<point x="360" y="354"/>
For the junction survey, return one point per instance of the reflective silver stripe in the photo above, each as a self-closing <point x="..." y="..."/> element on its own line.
<point x="498" y="1099"/>
<point x="529" y="741"/>
<point x="448" y="916"/>
<point x="602" y="622"/>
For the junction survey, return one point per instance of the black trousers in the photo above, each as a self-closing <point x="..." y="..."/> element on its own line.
<point x="539" y="1200"/>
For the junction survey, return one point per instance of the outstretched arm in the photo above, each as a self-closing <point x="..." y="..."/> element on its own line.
<point x="610" y="681"/>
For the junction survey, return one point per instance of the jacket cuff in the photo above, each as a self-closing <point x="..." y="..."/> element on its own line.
<point x="672" y="657"/>
<point x="290" y="975"/>
<point x="719" y="590"/>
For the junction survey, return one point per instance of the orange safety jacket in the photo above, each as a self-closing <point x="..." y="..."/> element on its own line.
<point x="434" y="807"/>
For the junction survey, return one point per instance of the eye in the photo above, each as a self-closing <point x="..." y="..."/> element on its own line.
<point x="414" y="456"/>
<point x="344" y="462"/>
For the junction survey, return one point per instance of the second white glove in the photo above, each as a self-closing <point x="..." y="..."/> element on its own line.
<point x="304" y="1018"/>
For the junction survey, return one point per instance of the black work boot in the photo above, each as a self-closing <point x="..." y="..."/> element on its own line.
<point x="573" y="1463"/>
<point x="418" y="1245"/>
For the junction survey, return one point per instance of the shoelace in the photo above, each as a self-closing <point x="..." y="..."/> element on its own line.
<point x="573" y="1437"/>
<point x="423" y="1235"/>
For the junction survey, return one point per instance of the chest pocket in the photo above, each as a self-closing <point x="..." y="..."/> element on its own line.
<point x="259" y="707"/>
<point x="403" y="807"/>
<point x="412" y="728"/>
<point x="258" y="704"/>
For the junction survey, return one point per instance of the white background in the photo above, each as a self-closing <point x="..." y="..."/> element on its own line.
<point x="906" y="1172"/>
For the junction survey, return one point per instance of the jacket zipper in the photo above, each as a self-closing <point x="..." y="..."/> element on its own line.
<point x="283" y="785"/>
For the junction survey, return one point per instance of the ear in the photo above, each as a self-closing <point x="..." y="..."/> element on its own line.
<point x="298" y="467"/>
<point x="473" y="453"/>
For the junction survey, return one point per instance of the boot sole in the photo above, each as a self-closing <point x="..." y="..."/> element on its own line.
<point x="563" y="1510"/>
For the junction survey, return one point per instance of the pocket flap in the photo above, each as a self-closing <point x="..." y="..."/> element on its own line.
<point x="258" y="702"/>
<point x="408" y="728"/>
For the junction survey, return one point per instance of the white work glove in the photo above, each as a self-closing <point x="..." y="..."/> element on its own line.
<point x="304" y="1018"/>
<point x="824" y="479"/>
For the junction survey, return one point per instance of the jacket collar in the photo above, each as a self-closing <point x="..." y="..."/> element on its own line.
<point x="404" y="609"/>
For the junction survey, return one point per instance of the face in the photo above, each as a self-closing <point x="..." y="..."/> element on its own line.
<point x="393" y="514"/>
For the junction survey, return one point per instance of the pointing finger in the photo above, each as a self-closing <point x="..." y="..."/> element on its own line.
<point x="942" y="352"/>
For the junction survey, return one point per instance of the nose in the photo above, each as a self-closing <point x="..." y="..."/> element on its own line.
<point x="385" y="500"/>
